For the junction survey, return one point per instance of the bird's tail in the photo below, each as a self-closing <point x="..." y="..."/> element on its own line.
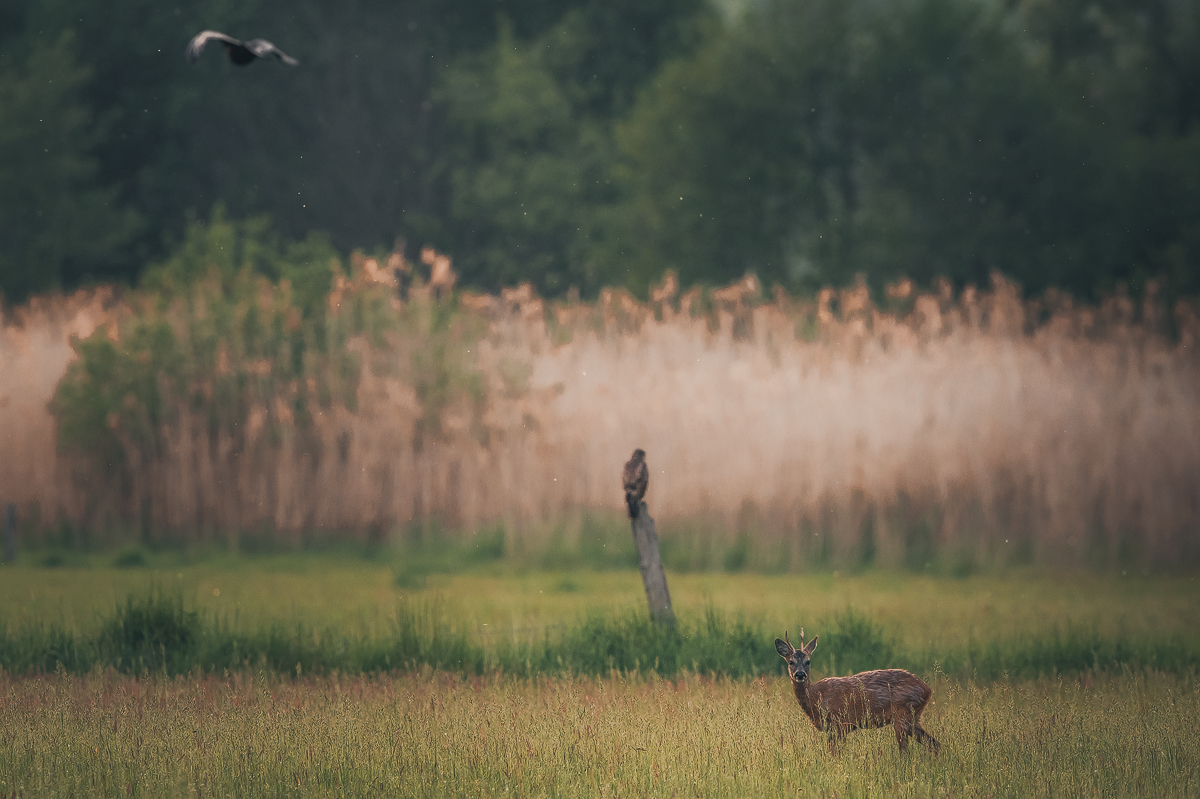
<point x="634" y="505"/>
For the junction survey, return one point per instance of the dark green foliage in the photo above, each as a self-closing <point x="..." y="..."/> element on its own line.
<point x="110" y="404"/>
<point x="352" y="142"/>
<point x="130" y="558"/>
<point x="427" y="550"/>
<point x="817" y="140"/>
<point x="488" y="545"/>
<point x="822" y="139"/>
<point x="53" y="559"/>
<point x="58" y="221"/>
<point x="234" y="318"/>
<point x="423" y="637"/>
<point x="851" y="642"/>
<point x="151" y="633"/>
<point x="155" y="633"/>
<point x="587" y="143"/>
<point x="738" y="553"/>
<point x="224" y="250"/>
<point x="45" y="648"/>
<point x="631" y="642"/>
<point x="606" y="542"/>
<point x="1067" y="651"/>
<point x="530" y="151"/>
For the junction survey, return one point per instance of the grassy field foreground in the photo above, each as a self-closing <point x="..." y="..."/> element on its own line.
<point x="1057" y="725"/>
<point x="433" y="734"/>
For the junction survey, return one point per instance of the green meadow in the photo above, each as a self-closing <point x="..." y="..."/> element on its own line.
<point x="363" y="595"/>
<point x="318" y="675"/>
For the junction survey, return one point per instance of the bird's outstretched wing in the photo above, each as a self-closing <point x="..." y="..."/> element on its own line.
<point x="196" y="45"/>
<point x="262" y="48"/>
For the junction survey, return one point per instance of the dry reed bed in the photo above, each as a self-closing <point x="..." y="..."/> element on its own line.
<point x="435" y="735"/>
<point x="34" y="352"/>
<point x="830" y="430"/>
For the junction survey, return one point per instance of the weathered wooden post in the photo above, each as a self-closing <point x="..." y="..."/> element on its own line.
<point x="636" y="478"/>
<point x="653" y="576"/>
<point x="10" y="533"/>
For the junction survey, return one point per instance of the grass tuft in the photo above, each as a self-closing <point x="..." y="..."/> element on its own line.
<point x="151" y="633"/>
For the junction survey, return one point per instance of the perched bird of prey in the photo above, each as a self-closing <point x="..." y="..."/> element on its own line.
<point x="240" y="53"/>
<point x="636" y="477"/>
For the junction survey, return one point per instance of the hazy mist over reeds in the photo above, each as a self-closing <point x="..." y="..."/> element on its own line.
<point x="979" y="428"/>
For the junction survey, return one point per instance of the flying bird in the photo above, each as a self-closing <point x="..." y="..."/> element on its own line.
<point x="635" y="477"/>
<point x="240" y="53"/>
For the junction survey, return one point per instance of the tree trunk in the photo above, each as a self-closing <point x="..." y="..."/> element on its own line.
<point x="653" y="577"/>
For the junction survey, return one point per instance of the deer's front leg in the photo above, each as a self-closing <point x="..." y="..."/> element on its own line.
<point x="836" y="733"/>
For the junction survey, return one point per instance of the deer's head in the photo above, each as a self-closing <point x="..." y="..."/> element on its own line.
<point x="798" y="660"/>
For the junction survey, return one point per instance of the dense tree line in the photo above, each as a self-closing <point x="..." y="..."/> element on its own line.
<point x="584" y="142"/>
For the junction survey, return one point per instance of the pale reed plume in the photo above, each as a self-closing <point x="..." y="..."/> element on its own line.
<point x="823" y="429"/>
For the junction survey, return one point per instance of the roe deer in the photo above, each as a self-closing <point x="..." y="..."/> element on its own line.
<point x="839" y="705"/>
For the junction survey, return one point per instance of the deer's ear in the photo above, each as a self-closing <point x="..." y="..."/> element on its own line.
<point x="811" y="645"/>
<point x="783" y="648"/>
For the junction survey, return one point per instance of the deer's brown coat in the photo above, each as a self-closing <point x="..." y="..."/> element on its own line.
<point x="838" y="705"/>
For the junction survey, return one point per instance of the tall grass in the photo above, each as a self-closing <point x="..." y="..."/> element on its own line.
<point x="442" y="735"/>
<point x="936" y="431"/>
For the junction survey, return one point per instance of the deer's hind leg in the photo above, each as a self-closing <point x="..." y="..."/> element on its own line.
<point x="926" y="739"/>
<point x="919" y="731"/>
<point x="923" y="737"/>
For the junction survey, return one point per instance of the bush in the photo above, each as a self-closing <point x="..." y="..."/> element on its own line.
<point x="130" y="558"/>
<point x="153" y="633"/>
<point x="852" y="642"/>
